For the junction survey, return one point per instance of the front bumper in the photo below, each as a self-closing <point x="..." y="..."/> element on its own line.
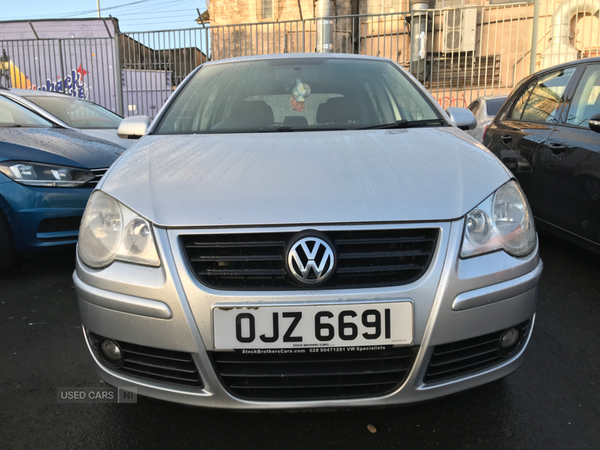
<point x="167" y="308"/>
<point x="42" y="217"/>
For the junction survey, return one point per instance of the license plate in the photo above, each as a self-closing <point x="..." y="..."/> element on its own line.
<point x="349" y="325"/>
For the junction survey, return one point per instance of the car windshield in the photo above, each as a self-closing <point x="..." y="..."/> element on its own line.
<point x="76" y="113"/>
<point x="493" y="105"/>
<point x="297" y="94"/>
<point x="13" y="115"/>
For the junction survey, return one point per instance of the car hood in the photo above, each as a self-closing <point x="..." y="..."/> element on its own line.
<point x="57" y="146"/>
<point x="305" y="178"/>
<point x="108" y="134"/>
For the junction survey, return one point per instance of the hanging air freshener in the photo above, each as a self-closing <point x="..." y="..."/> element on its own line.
<point x="299" y="94"/>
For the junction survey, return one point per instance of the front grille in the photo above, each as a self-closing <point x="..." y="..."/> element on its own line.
<point x="365" y="258"/>
<point x="151" y="363"/>
<point x="313" y="376"/>
<point x="463" y="357"/>
<point x="98" y="174"/>
<point x="59" y="224"/>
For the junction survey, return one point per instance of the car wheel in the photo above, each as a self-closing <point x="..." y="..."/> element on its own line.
<point x="8" y="253"/>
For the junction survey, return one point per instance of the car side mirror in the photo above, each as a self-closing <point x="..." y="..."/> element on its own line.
<point x="595" y="123"/>
<point x="462" y="118"/>
<point x="133" y="127"/>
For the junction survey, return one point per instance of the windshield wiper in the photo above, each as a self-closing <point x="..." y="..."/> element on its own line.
<point x="406" y="124"/>
<point x="20" y="125"/>
<point x="282" y="129"/>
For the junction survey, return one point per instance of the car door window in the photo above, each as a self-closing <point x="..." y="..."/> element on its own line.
<point x="493" y="105"/>
<point x="474" y="107"/>
<point x="586" y="101"/>
<point x="15" y="115"/>
<point x="517" y="110"/>
<point x="544" y="101"/>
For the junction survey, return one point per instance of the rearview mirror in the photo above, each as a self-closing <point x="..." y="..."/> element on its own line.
<point x="462" y="118"/>
<point x="133" y="127"/>
<point x="595" y="123"/>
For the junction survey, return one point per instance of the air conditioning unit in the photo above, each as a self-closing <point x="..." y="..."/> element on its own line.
<point x="459" y="30"/>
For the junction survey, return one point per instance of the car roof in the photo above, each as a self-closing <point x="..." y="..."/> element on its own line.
<point x="297" y="56"/>
<point x="39" y="93"/>
<point x="577" y="62"/>
<point x="595" y="59"/>
<point x="490" y="97"/>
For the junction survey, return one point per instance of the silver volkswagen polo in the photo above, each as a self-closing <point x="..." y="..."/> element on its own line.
<point x="305" y="231"/>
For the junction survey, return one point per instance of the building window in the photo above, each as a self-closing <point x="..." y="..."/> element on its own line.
<point x="439" y="4"/>
<point x="386" y="6"/>
<point x="267" y="9"/>
<point x="497" y="2"/>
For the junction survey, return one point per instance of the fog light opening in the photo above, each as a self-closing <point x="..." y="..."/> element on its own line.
<point x="510" y="340"/>
<point x="111" y="351"/>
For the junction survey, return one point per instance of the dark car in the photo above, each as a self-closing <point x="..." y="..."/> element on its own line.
<point x="548" y="134"/>
<point x="47" y="174"/>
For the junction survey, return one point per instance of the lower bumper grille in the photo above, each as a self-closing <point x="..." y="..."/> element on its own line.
<point x="314" y="376"/>
<point x="58" y="229"/>
<point x="151" y="363"/>
<point x="58" y="224"/>
<point x="470" y="355"/>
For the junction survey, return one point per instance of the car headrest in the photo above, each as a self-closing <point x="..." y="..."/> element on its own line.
<point x="255" y="113"/>
<point x="295" y="121"/>
<point x="338" y="110"/>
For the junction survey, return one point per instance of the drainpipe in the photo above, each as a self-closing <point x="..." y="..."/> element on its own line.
<point x="560" y="50"/>
<point x="534" y="37"/>
<point x="418" y="38"/>
<point x="324" y="26"/>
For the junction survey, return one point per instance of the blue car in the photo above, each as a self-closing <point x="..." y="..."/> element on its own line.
<point x="47" y="174"/>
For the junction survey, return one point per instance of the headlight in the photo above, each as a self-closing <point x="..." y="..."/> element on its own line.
<point x="501" y="221"/>
<point x="110" y="231"/>
<point x="37" y="174"/>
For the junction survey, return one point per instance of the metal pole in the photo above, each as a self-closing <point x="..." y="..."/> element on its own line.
<point x="199" y="17"/>
<point x="324" y="26"/>
<point x="98" y="6"/>
<point x="534" y="37"/>
<point x="62" y="64"/>
<point x="418" y="37"/>
<point x="118" y="76"/>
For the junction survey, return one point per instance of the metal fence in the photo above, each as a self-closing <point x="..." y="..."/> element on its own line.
<point x="154" y="63"/>
<point x="463" y="56"/>
<point x="459" y="54"/>
<point x="83" y="68"/>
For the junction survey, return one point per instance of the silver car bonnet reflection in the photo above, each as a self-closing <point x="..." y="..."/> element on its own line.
<point x="291" y="178"/>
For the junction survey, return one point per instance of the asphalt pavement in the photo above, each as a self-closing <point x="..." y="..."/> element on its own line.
<point x="552" y="402"/>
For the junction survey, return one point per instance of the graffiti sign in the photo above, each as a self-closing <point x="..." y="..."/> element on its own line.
<point x="72" y="85"/>
<point x="448" y="101"/>
<point x="59" y="65"/>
